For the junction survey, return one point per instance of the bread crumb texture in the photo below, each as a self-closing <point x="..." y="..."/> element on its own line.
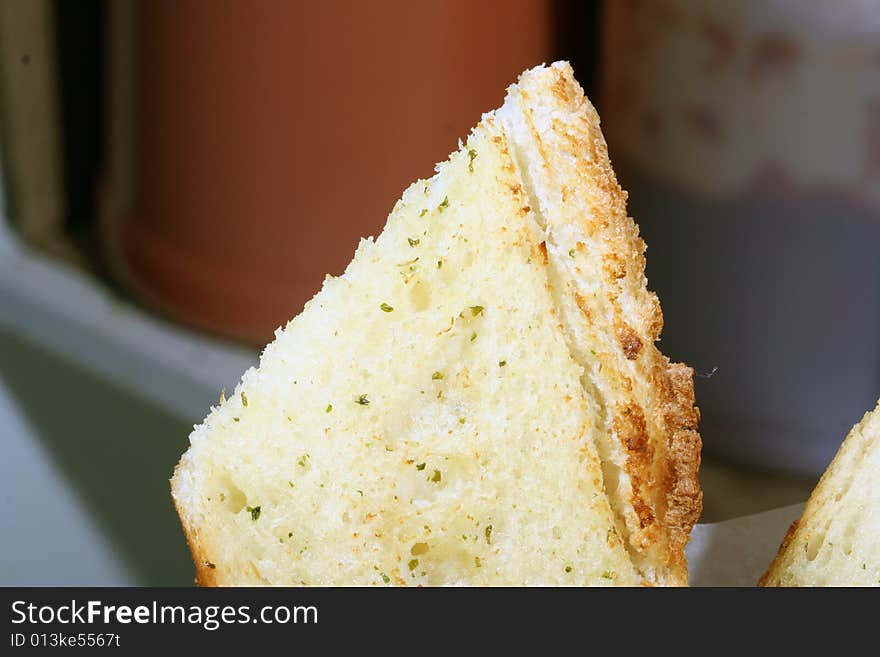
<point x="836" y="542"/>
<point x="469" y="403"/>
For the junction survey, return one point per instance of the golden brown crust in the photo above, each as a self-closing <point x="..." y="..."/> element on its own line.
<point x="684" y="497"/>
<point x="769" y="578"/>
<point x="206" y="570"/>
<point x="649" y="403"/>
<point x="629" y="341"/>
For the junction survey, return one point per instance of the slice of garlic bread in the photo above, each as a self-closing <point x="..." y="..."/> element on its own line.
<point x="421" y="422"/>
<point x="438" y="415"/>
<point x="648" y="443"/>
<point x="836" y="542"/>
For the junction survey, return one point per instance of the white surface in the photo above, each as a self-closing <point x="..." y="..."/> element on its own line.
<point x="737" y="552"/>
<point x="49" y="537"/>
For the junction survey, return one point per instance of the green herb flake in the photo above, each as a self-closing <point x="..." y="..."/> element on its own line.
<point x="571" y="253"/>
<point x="488" y="533"/>
<point x="222" y="497"/>
<point x="476" y="310"/>
<point x="360" y="492"/>
<point x="418" y="548"/>
<point x="385" y="578"/>
<point x="255" y="512"/>
<point x="439" y="394"/>
<point x="609" y="574"/>
<point x="329" y="408"/>
<point x="413" y="243"/>
<point x="473" y="336"/>
<point x="289" y="534"/>
<point x="290" y="483"/>
<point x="420" y="466"/>
<point x="472" y="155"/>
<point x="436" y="477"/>
<point x="478" y="562"/>
<point x="244" y="400"/>
<point x="385" y="307"/>
<point x="568" y="569"/>
<point x="413" y="563"/>
<point x="502" y="363"/>
<point x="443" y="204"/>
<point x="461" y="420"/>
<point x="437" y="376"/>
<point x="440" y="263"/>
<point x="236" y="419"/>
<point x="362" y="400"/>
<point x="423" y="212"/>
<point x="303" y="460"/>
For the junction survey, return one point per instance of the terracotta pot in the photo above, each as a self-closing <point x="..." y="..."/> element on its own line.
<point x="271" y="136"/>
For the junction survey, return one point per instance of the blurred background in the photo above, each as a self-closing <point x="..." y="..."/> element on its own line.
<point x="178" y="177"/>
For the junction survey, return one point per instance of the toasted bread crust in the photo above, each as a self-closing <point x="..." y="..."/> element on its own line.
<point x="684" y="497"/>
<point x="206" y="570"/>
<point x="771" y="577"/>
<point x="648" y="401"/>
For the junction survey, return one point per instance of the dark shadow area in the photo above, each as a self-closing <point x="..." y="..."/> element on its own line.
<point x="116" y="450"/>
<point x="783" y="298"/>
<point x="577" y="40"/>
